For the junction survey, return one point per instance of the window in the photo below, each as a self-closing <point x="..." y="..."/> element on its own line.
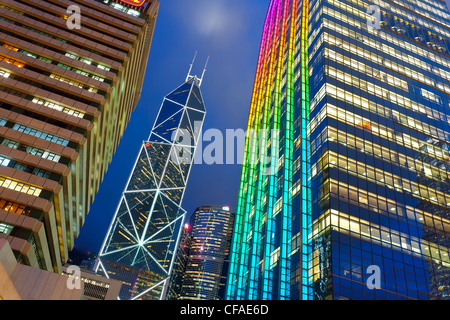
<point x="19" y="186"/>
<point x="40" y="134"/>
<point x="5" y="228"/>
<point x="14" y="207"/>
<point x="4" y="161"/>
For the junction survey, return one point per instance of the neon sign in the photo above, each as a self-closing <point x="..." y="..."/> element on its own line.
<point x="136" y="3"/>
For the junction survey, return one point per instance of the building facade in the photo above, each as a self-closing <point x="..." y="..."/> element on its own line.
<point x="269" y="248"/>
<point x="68" y="87"/>
<point x="364" y="212"/>
<point x="204" y="255"/>
<point x="94" y="286"/>
<point x="21" y="282"/>
<point x="139" y="248"/>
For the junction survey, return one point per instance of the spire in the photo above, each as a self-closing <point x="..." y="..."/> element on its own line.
<point x="190" y="68"/>
<point x="203" y="74"/>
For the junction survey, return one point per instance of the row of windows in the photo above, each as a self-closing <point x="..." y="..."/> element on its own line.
<point x="54" y="37"/>
<point x="39" y="20"/>
<point x="12" y="61"/>
<point x="390" y="180"/>
<point x="73" y="83"/>
<point x="434" y="170"/>
<point x="13" y="92"/>
<point x="31" y="150"/>
<point x="24" y="167"/>
<point x="19" y="186"/>
<point x="417" y="219"/>
<point x="122" y="8"/>
<point x="431" y="9"/>
<point x="58" y="107"/>
<point x="390" y="39"/>
<point x="40" y="101"/>
<point x="40" y="134"/>
<point x="379" y="202"/>
<point x="75" y="57"/>
<point x="404" y="139"/>
<point x="408" y="72"/>
<point x="415" y="33"/>
<point x="361" y="67"/>
<point x="372" y="126"/>
<point x="393" y="98"/>
<point x="416" y="19"/>
<point x="14" y="207"/>
<point x="393" y="8"/>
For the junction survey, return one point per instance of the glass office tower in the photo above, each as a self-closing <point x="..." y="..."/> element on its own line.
<point x="139" y="248"/>
<point x="203" y="255"/>
<point x="372" y="213"/>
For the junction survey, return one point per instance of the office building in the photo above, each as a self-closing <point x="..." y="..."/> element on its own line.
<point x="68" y="87"/>
<point x="204" y="255"/>
<point x="180" y="263"/>
<point x="140" y="245"/>
<point x="354" y="203"/>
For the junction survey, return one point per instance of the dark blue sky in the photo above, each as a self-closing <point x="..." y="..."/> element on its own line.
<point x="229" y="32"/>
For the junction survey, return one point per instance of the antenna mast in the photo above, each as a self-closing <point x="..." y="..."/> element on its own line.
<point x="190" y="68"/>
<point x="203" y="74"/>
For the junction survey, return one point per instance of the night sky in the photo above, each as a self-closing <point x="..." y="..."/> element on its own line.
<point x="228" y="31"/>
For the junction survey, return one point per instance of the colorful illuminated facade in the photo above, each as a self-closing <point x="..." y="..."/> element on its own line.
<point x="273" y="205"/>
<point x="203" y="255"/>
<point x="139" y="248"/>
<point x="360" y="94"/>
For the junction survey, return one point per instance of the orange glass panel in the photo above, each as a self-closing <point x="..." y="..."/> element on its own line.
<point x="136" y="3"/>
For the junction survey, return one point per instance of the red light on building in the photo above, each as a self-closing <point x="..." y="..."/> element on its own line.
<point x="136" y="3"/>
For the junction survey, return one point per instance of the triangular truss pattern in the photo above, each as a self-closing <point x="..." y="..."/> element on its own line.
<point x="140" y="246"/>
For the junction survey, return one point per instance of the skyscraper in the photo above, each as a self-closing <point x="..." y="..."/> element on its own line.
<point x="204" y="255"/>
<point x="139" y="248"/>
<point x="70" y="79"/>
<point x="357" y="205"/>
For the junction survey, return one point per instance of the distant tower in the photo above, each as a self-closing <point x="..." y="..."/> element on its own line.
<point x="139" y="248"/>
<point x="203" y="255"/>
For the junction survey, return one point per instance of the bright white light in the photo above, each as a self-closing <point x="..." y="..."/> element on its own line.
<point x="226" y="208"/>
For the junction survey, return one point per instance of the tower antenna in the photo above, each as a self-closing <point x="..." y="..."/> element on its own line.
<point x="203" y="74"/>
<point x="190" y="68"/>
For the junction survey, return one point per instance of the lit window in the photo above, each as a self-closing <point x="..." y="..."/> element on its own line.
<point x="4" y="74"/>
<point x="5" y="228"/>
